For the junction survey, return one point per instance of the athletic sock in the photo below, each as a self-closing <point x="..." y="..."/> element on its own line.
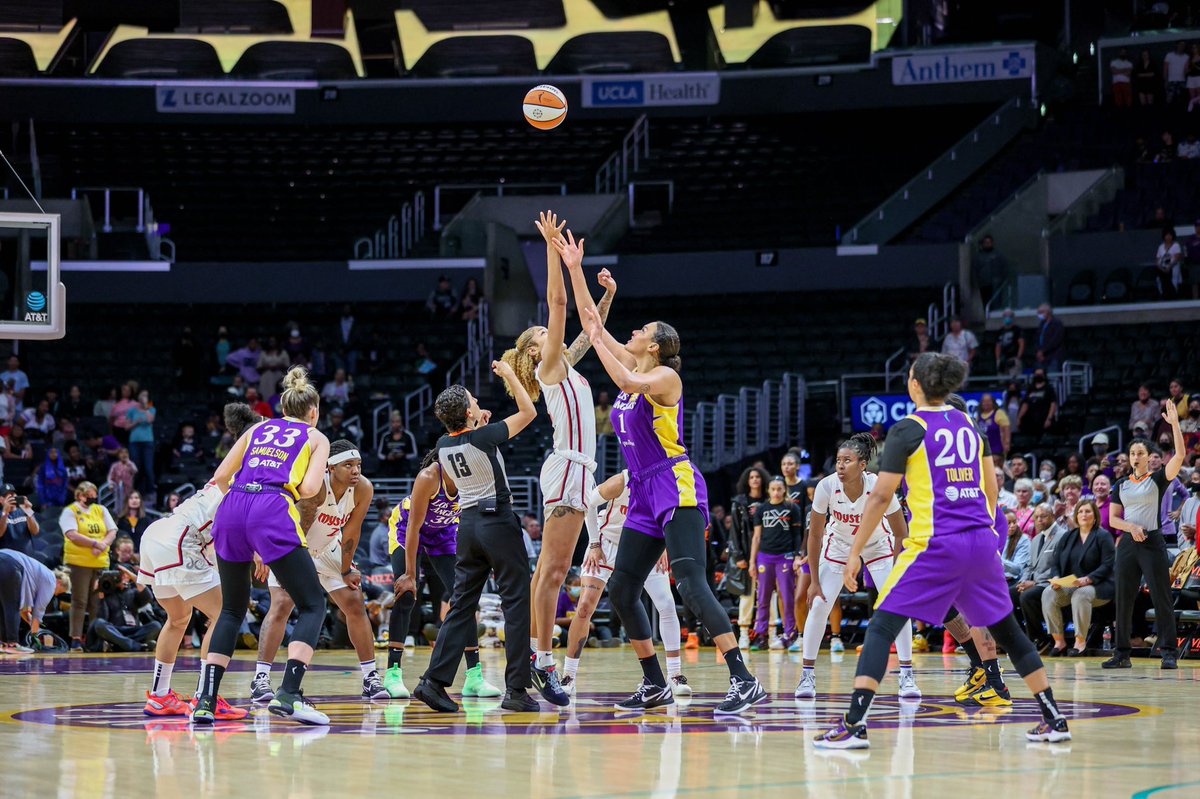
<point x="737" y="665"/>
<point x="674" y="665"/>
<point x="860" y="704"/>
<point x="652" y="672"/>
<point x="211" y="675"/>
<point x="533" y="644"/>
<point x="972" y="652"/>
<point x="472" y="656"/>
<point x="395" y="656"/>
<point x="994" y="678"/>
<point x="1050" y="711"/>
<point x="545" y="660"/>
<point x="200" y="681"/>
<point x="906" y="669"/>
<point x="293" y="674"/>
<point x="262" y="669"/>
<point x="368" y="668"/>
<point x="571" y="666"/>
<point x="161" y="685"/>
<point x="809" y="670"/>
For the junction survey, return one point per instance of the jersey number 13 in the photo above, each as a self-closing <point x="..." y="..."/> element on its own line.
<point x="458" y="465"/>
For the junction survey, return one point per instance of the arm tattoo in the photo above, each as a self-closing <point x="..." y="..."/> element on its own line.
<point x="308" y="513"/>
<point x="582" y="344"/>
<point x="644" y="388"/>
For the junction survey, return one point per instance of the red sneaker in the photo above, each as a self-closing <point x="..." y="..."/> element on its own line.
<point x="225" y="711"/>
<point x="949" y="644"/>
<point x="169" y="705"/>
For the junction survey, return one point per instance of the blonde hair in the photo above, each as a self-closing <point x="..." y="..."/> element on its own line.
<point x="523" y="364"/>
<point x="63" y="575"/>
<point x="299" y="395"/>
<point x="85" y="487"/>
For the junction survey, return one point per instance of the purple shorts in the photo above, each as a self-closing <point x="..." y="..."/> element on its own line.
<point x="654" y="498"/>
<point x="266" y="523"/>
<point x="962" y="570"/>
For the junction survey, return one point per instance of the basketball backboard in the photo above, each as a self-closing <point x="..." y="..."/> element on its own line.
<point x="32" y="300"/>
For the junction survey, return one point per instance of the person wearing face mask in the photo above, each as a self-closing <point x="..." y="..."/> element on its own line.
<point x="1173" y="496"/>
<point x="1050" y="337"/>
<point x="1189" y="423"/>
<point x="1189" y="514"/>
<point x="1010" y="347"/>
<point x="1040" y="407"/>
<point x="88" y="532"/>
<point x="1046" y="473"/>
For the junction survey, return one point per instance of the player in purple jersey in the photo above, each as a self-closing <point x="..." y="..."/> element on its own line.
<point x="668" y="503"/>
<point x="274" y="464"/>
<point x="950" y="556"/>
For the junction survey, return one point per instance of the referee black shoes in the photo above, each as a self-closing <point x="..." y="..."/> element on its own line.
<point x="435" y="696"/>
<point x="519" y="701"/>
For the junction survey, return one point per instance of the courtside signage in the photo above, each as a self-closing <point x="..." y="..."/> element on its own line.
<point x="702" y="88"/>
<point x="963" y="66"/>
<point x="868" y="410"/>
<point x="224" y="98"/>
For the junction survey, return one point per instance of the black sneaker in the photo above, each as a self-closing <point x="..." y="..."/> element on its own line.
<point x="647" y="696"/>
<point x="742" y="695"/>
<point x="519" y="701"/>
<point x="435" y="696"/>
<point x="1050" y="732"/>
<point x="373" y="687"/>
<point x="546" y="681"/>
<point x="1168" y="661"/>
<point x="261" y="691"/>
<point x="205" y="711"/>
<point x="1117" y="661"/>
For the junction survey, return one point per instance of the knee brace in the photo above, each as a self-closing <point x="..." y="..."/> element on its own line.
<point x="625" y="595"/>
<point x="1020" y="649"/>
<point x="877" y="646"/>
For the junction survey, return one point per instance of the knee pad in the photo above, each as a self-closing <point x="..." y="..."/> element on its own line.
<point x="406" y="602"/>
<point x="1020" y="649"/>
<point x="622" y="591"/>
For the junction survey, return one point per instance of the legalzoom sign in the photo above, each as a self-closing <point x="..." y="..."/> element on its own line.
<point x="224" y="99"/>
<point x="692" y="89"/>
<point x="963" y="66"/>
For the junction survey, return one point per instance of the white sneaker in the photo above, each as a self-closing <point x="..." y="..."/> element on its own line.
<point x="679" y="686"/>
<point x="776" y="643"/>
<point x="297" y="708"/>
<point x="744" y="640"/>
<point x="807" y="689"/>
<point x="410" y="642"/>
<point x="908" y="686"/>
<point x="568" y="684"/>
<point x="836" y="646"/>
<point x="797" y="645"/>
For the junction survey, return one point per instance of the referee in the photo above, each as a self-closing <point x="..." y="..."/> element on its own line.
<point x="489" y="540"/>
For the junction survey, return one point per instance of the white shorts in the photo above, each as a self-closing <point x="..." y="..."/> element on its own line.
<point x="838" y="551"/>
<point x="565" y="483"/>
<point x="329" y="568"/>
<point x="174" y="562"/>
<point x="609" y="548"/>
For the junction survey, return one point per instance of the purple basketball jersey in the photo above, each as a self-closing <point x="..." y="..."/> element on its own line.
<point x="439" y="531"/>
<point x="277" y="455"/>
<point x="945" y="477"/>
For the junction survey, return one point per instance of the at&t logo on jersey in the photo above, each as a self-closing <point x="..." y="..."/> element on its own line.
<point x="253" y="463"/>
<point x="954" y="494"/>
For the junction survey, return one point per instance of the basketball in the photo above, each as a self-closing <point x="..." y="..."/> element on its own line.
<point x="545" y="107"/>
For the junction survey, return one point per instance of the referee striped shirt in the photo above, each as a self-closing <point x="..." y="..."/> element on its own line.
<point x="473" y="459"/>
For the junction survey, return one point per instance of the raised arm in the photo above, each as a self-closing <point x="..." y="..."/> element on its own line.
<point x="526" y="410"/>
<point x="572" y="255"/>
<point x="661" y="382"/>
<point x="552" y="370"/>
<point x="582" y="343"/>
<point x="1171" y="467"/>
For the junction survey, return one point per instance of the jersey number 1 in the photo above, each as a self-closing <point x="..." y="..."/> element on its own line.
<point x="458" y="464"/>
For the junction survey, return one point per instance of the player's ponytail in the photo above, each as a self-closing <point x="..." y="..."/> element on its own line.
<point x="863" y="445"/>
<point x="238" y="417"/>
<point x="523" y="364"/>
<point x="431" y="457"/>
<point x="667" y="339"/>
<point x="299" y="395"/>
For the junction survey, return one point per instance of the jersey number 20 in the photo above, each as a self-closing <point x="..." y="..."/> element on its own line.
<point x="458" y="463"/>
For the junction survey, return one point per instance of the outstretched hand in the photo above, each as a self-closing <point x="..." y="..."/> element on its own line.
<point x="606" y="280"/>
<point x="1171" y="414"/>
<point x="593" y="325"/>
<point x="570" y="251"/>
<point x="548" y="225"/>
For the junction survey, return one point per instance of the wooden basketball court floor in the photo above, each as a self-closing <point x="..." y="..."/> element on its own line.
<point x="72" y="726"/>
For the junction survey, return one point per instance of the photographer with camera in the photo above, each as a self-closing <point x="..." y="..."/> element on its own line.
<point x="117" y="622"/>
<point x="88" y="532"/>
<point x="18" y="525"/>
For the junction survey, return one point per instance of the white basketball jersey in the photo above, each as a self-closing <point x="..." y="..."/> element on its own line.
<point x="197" y="511"/>
<point x="612" y="517"/>
<point x="843" y="515"/>
<point x="331" y="517"/>
<point x="572" y="413"/>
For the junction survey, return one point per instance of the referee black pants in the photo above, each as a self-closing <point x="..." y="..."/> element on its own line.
<point x="486" y="543"/>
<point x="1136" y="559"/>
<point x="11" y="575"/>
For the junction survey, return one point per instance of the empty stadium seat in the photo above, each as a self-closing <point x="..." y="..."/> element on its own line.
<point x="805" y="47"/>
<point x="488" y="15"/>
<point x="229" y="16"/>
<point x="31" y="15"/>
<point x="160" y="58"/>
<point x="1083" y="288"/>
<point x="477" y="56"/>
<point x="16" y="59"/>
<point x="776" y="40"/>
<point x="1118" y="286"/>
<point x="638" y="51"/>
<point x="295" y="60"/>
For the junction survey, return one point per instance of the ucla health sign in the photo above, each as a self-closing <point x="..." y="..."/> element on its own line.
<point x="963" y="66"/>
<point x="696" y="88"/>
<point x="868" y="410"/>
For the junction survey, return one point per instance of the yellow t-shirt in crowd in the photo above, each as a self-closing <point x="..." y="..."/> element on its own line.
<point x="92" y="522"/>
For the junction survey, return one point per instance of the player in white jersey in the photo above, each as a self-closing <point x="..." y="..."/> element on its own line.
<point x="178" y="564"/>
<point x="836" y="513"/>
<point x="604" y="534"/>
<point x="332" y="521"/>
<point x="544" y="365"/>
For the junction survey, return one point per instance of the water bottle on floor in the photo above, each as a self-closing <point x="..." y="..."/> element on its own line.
<point x="1107" y="638"/>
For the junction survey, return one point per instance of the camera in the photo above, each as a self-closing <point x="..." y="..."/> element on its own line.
<point x="110" y="581"/>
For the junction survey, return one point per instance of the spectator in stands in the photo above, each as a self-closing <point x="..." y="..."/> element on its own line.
<point x="103" y="406"/>
<point x="1145" y="79"/>
<point x="751" y="490"/>
<point x="18" y="523"/>
<point x="1040" y="407"/>
<point x="133" y="520"/>
<point x="187" y="449"/>
<point x="1172" y="499"/>
<point x="1010" y="347"/>
<point x="991" y="270"/>
<point x="376" y="354"/>
<point x="17" y="445"/>
<point x="1168" y="262"/>
<point x="994" y="425"/>
<point x="338" y="430"/>
<point x="38" y="422"/>
<point x="245" y="361"/>
<point x="472" y="300"/>
<point x="88" y="532"/>
<point x="51" y="480"/>
<point x="1167" y="150"/>
<point x="1086" y="553"/>
<point x="1190" y="422"/>
<point x="347" y="337"/>
<point x="1102" y="496"/>
<point x="1070" y="491"/>
<point x="1047" y="475"/>
<point x="425" y="365"/>
<point x="76" y="464"/>
<point x="258" y="404"/>
<point x="1026" y="508"/>
<point x="1190" y="147"/>
<point x="961" y="342"/>
<point x="74" y="407"/>
<point x="398" y="449"/>
<point x="8" y="405"/>
<point x="1051" y="338"/>
<point x="273" y="363"/>
<point x="141" y="441"/>
<point x="1143" y="412"/>
<point x="222" y="348"/>
<point x="173" y="500"/>
<point x="318" y="362"/>
<point x="123" y="552"/>
<point x="603" y="414"/>
<point x="117" y="623"/>
<point x="1175" y="70"/>
<point x="1043" y="564"/>
<point x="1015" y="553"/>
<point x="1073" y="467"/>
<point x="1177" y="396"/>
<point x="338" y="390"/>
<point x="122" y="474"/>
<point x="1189" y="514"/>
<point x="533" y="538"/>
<point x="118" y="415"/>
<point x="295" y="345"/>
<point x="1011" y="403"/>
<point x="919" y="341"/>
<point x="1121" y="70"/>
<point x="379" y="556"/>
<point x="1017" y="469"/>
<point x="442" y="303"/>
<point x="38" y="586"/>
<point x="19" y="380"/>
<point x="1005" y="499"/>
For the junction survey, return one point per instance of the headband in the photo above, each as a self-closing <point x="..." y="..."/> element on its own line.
<point x="342" y="457"/>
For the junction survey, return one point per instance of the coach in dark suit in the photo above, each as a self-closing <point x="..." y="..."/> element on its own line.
<point x="1088" y="553"/>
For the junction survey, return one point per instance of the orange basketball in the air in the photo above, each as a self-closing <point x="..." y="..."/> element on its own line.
<point x="545" y="107"/>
